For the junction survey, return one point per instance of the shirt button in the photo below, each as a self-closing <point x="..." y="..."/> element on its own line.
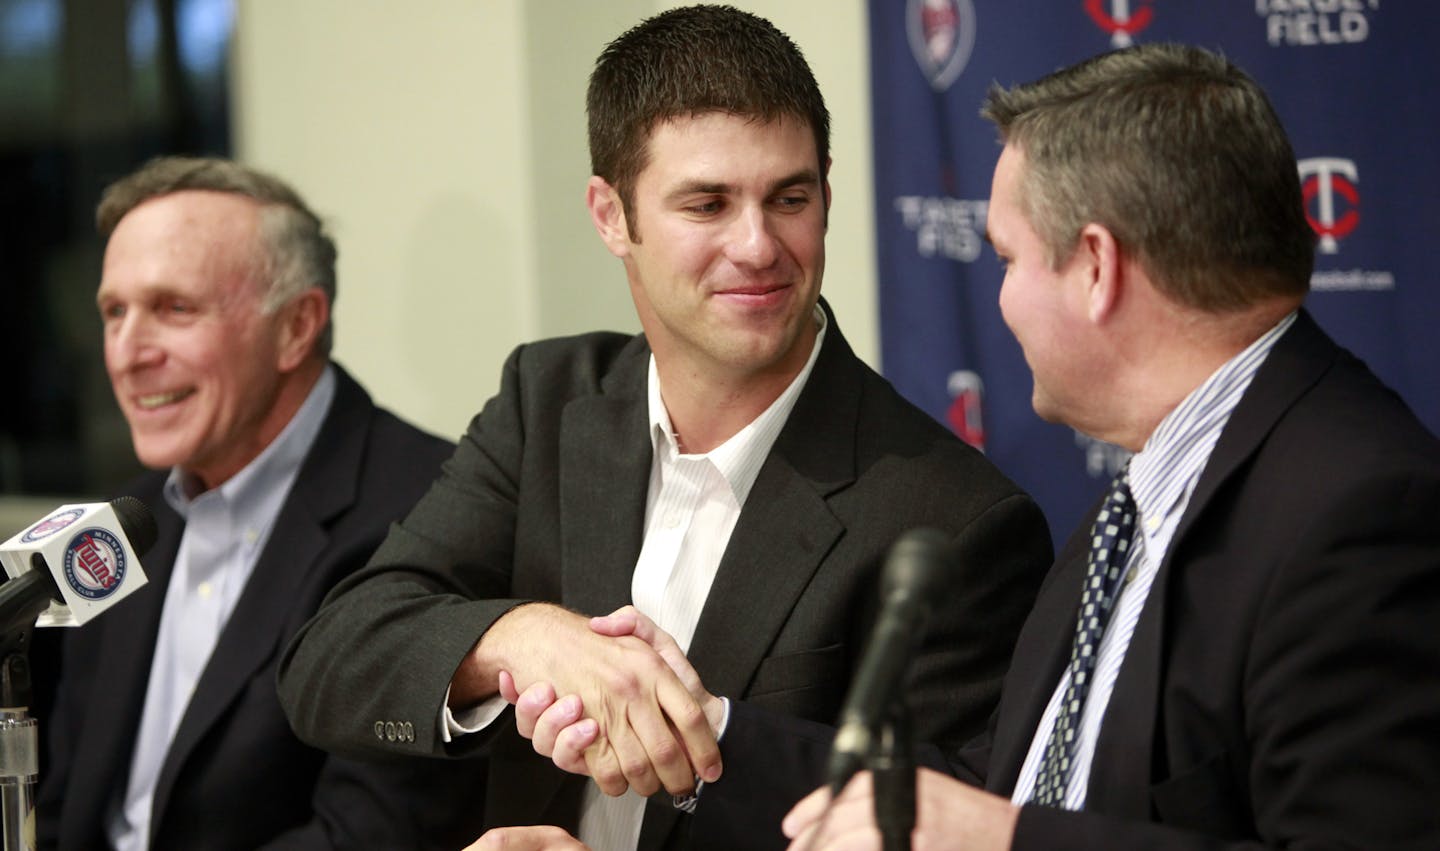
<point x="672" y="520"/>
<point x="204" y="590"/>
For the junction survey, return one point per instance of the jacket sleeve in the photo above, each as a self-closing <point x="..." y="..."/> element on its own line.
<point x="387" y="640"/>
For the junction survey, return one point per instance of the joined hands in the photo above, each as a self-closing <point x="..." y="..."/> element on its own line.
<point x="635" y="731"/>
<point x="950" y="814"/>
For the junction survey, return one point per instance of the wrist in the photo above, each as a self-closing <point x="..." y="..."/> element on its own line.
<point x="497" y="649"/>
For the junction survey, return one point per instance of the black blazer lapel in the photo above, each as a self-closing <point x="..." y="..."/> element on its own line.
<point x="604" y="477"/>
<point x="786" y="529"/>
<point x="1041" y="653"/>
<point x="1299" y="359"/>
<point x="603" y="480"/>
<point x="1121" y="771"/>
<point x="1124" y="766"/>
<point x="772" y="554"/>
<point x="784" y="533"/>
<point x="256" y="630"/>
<point x="771" y="557"/>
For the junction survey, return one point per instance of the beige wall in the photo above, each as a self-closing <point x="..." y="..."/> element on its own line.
<point x="444" y="140"/>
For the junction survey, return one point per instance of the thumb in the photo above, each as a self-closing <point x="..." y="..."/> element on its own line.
<point x="507" y="687"/>
<point x="622" y="621"/>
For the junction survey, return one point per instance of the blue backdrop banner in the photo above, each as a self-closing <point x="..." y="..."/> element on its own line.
<point x="1354" y="81"/>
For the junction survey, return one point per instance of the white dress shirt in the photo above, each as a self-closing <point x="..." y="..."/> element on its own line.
<point x="692" y="507"/>
<point x="1162" y="477"/>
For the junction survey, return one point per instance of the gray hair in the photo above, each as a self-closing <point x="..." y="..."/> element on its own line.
<point x="298" y="253"/>
<point x="1180" y="155"/>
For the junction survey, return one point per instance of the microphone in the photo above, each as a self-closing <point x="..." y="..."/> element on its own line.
<point x="914" y="571"/>
<point x="74" y="564"/>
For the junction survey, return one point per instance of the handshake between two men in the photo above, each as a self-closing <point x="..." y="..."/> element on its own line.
<point x="619" y="703"/>
<point x="634" y="714"/>
<point x="628" y="728"/>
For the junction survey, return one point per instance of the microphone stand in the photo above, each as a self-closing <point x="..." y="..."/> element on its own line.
<point x="893" y="765"/>
<point x="19" y="741"/>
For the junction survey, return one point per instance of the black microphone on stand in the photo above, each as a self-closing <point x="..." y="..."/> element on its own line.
<point x="914" y="573"/>
<point x="875" y="720"/>
<point x="64" y="570"/>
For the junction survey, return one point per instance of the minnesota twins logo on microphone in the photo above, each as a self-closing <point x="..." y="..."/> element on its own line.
<point x="52" y="524"/>
<point x="1120" y="20"/>
<point x="1322" y="179"/>
<point x="942" y="34"/>
<point x="95" y="564"/>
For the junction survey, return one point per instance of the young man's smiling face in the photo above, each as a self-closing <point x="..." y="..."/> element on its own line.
<point x="728" y="249"/>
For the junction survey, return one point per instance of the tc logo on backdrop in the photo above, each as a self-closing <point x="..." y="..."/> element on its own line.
<point x="1332" y="203"/>
<point x="942" y="35"/>
<point x="1330" y="188"/>
<point x="1121" y="18"/>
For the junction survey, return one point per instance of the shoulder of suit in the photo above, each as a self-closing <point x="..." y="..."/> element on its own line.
<point x="596" y="347"/>
<point x="394" y="435"/>
<point x="389" y="432"/>
<point x="581" y="364"/>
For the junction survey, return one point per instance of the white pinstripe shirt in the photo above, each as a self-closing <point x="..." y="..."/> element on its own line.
<point x="692" y="507"/>
<point x="1162" y="477"/>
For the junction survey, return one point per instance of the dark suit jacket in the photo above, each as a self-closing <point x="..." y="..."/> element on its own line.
<point x="545" y="500"/>
<point x="235" y="776"/>
<point x="1282" y="687"/>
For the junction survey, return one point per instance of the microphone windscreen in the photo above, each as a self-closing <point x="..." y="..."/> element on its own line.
<point x="137" y="521"/>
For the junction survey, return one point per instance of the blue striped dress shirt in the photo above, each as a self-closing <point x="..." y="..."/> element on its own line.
<point x="1162" y="477"/>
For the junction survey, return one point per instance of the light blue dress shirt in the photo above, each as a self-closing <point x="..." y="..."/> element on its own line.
<point x="225" y="531"/>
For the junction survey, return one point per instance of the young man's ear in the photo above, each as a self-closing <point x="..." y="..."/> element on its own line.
<point x="608" y="215"/>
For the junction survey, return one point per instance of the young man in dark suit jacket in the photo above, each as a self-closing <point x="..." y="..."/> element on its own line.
<point x="276" y="476"/>
<point x="1265" y="675"/>
<point x="735" y="471"/>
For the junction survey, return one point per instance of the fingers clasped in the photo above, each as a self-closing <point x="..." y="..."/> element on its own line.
<point x="630" y="721"/>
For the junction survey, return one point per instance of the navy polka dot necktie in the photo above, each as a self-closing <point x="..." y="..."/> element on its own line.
<point x="1110" y="538"/>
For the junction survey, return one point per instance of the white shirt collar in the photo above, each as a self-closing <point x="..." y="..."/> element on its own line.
<point x="1165" y="470"/>
<point x="739" y="458"/>
<point x="256" y="492"/>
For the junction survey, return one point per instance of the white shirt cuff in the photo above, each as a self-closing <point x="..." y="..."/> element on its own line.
<point x="473" y="720"/>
